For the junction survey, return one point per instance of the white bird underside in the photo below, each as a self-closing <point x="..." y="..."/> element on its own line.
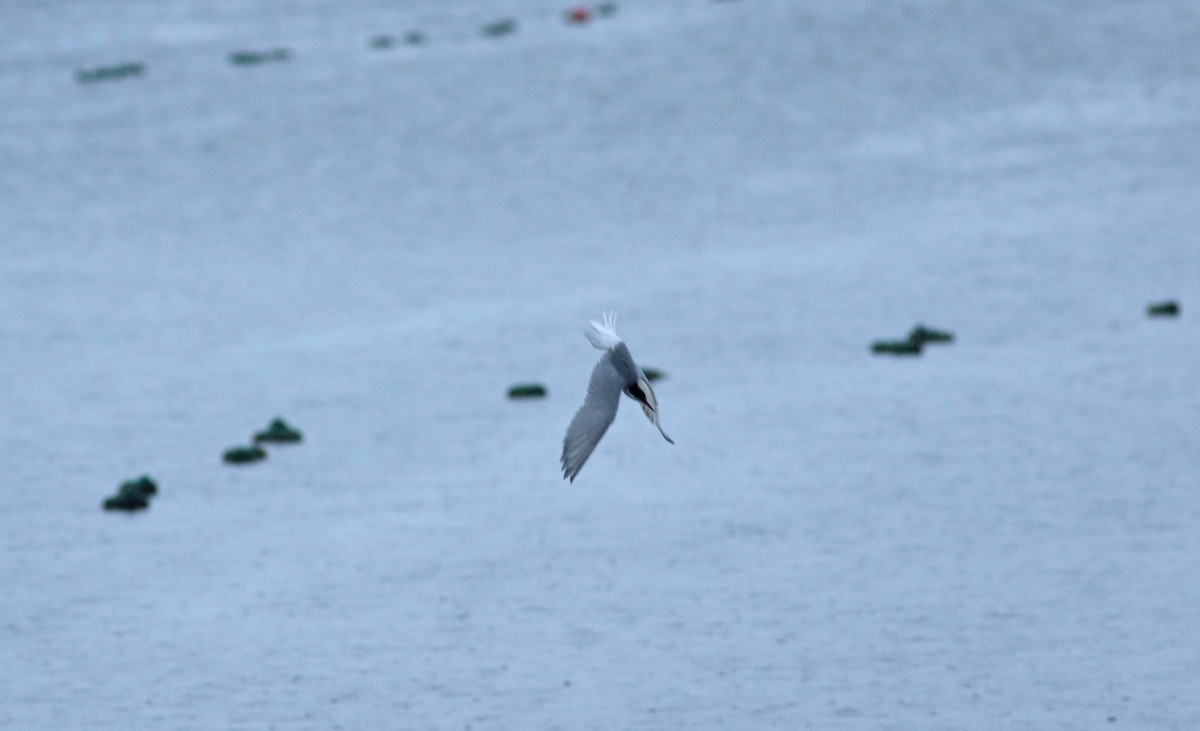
<point x="613" y="373"/>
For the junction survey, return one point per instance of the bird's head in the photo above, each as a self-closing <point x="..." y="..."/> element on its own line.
<point x="641" y="392"/>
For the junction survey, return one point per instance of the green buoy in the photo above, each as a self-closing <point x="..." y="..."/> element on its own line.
<point x="144" y="486"/>
<point x="929" y="335"/>
<point x="127" y="501"/>
<point x="500" y="28"/>
<point x="916" y="341"/>
<point x="279" y="432"/>
<point x="244" y="455"/>
<point x="109" y="73"/>
<point x="1169" y="308"/>
<point x="255" y="58"/>
<point x="896" y="347"/>
<point x="527" y="390"/>
<point x="133" y="495"/>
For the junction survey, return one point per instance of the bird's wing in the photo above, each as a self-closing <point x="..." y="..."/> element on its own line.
<point x="593" y="418"/>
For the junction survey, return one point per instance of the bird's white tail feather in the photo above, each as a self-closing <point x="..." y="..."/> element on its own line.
<point x="603" y="335"/>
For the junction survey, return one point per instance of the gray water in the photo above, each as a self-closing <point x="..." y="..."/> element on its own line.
<point x="1000" y="533"/>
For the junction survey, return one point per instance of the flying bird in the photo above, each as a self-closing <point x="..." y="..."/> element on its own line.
<point x="614" y="373"/>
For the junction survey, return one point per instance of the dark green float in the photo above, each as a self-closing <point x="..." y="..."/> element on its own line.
<point x="244" y="455"/>
<point x="255" y="58"/>
<point x="500" y="28"/>
<point x="527" y="390"/>
<point x="653" y="374"/>
<point x="144" y="486"/>
<point x="109" y="73"/>
<point x="914" y="344"/>
<point x="897" y="347"/>
<point x="1169" y="308"/>
<point x="133" y="495"/>
<point x="279" y="432"/>
<point x="128" y="502"/>
<point x="924" y="335"/>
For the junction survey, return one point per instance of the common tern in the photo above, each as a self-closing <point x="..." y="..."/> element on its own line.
<point x="614" y="373"/>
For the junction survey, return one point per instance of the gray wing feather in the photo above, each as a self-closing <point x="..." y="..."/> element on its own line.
<point x="593" y="418"/>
